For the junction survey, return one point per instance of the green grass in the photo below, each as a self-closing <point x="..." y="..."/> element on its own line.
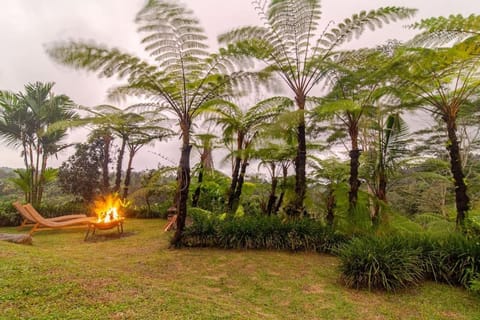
<point x="138" y="277"/>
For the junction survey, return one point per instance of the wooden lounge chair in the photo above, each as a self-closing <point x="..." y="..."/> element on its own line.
<point x="28" y="220"/>
<point x="44" y="223"/>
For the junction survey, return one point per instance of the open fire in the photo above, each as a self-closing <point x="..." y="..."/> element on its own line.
<point x="108" y="209"/>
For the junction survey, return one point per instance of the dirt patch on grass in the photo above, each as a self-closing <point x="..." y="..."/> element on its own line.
<point x="314" y="289"/>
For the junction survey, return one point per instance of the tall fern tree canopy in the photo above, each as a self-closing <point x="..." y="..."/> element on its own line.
<point x="445" y="79"/>
<point x="291" y="45"/>
<point x="181" y="75"/>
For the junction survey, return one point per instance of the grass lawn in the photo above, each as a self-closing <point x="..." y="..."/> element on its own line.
<point x="138" y="277"/>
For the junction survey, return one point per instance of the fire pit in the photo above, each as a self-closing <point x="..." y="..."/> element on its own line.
<point x="93" y="226"/>
<point x="108" y="217"/>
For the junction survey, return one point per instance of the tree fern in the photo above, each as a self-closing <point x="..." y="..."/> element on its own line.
<point x="180" y="73"/>
<point x="443" y="30"/>
<point x="292" y="47"/>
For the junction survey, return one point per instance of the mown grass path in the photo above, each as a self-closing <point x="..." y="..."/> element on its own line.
<point x="138" y="277"/>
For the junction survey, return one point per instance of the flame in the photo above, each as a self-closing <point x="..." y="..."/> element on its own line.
<point x="107" y="208"/>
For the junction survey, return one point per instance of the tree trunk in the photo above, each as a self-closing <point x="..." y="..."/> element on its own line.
<point x="462" y="200"/>
<point x="297" y="208"/>
<point x="36" y="179"/>
<point x="118" y="175"/>
<point x="128" y="174"/>
<point x="354" y="165"/>
<point x="331" y="204"/>
<point x="183" y="184"/>
<point x="107" y="139"/>
<point x="196" y="194"/>
<point x="238" y="190"/>
<point x="279" y="203"/>
<point x="233" y="184"/>
<point x="381" y="195"/>
<point x="41" y="182"/>
<point x="31" y="192"/>
<point x="272" y="197"/>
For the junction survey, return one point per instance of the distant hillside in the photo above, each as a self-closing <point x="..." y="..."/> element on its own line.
<point x="6" y="169"/>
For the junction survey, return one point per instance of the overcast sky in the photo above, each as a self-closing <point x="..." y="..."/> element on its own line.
<point x="27" y="26"/>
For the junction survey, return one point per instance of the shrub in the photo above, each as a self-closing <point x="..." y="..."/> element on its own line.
<point x="157" y="210"/>
<point x="453" y="259"/>
<point x="201" y="233"/>
<point x="8" y="215"/>
<point x="259" y="232"/>
<point x="50" y="210"/>
<point x="475" y="285"/>
<point x="380" y="263"/>
<point x="375" y="262"/>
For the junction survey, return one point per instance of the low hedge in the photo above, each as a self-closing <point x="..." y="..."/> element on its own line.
<point x="259" y="232"/>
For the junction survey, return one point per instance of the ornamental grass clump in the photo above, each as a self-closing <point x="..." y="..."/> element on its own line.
<point x="202" y="231"/>
<point x="260" y="232"/>
<point x="454" y="259"/>
<point x="380" y="263"/>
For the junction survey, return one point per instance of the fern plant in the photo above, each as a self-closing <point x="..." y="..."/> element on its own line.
<point x="241" y="128"/>
<point x="180" y="76"/>
<point x="444" y="81"/>
<point x="291" y="46"/>
<point x="437" y="31"/>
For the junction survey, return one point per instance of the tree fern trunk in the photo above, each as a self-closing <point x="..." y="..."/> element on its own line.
<point x="354" y="165"/>
<point x="279" y="203"/>
<point x="272" y="197"/>
<point x="462" y="200"/>
<point x="331" y="204"/>
<point x="118" y="175"/>
<point x="300" y="161"/>
<point x="128" y="175"/>
<point x="107" y="139"/>
<point x="183" y="185"/>
<point x="196" y="194"/>
<point x="233" y="184"/>
<point x="238" y="190"/>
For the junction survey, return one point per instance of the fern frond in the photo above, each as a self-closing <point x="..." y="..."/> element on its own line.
<point x="91" y="57"/>
<point x="355" y="26"/>
<point x="441" y="30"/>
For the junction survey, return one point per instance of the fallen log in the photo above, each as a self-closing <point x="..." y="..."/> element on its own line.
<point x="16" y="238"/>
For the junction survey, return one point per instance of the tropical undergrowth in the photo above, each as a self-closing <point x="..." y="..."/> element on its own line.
<point x="400" y="261"/>
<point x="379" y="260"/>
<point x="259" y="232"/>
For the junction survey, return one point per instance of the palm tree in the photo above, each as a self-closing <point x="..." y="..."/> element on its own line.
<point x="242" y="128"/>
<point x="290" y="46"/>
<point x="444" y="80"/>
<point x="27" y="122"/>
<point x="181" y="77"/>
